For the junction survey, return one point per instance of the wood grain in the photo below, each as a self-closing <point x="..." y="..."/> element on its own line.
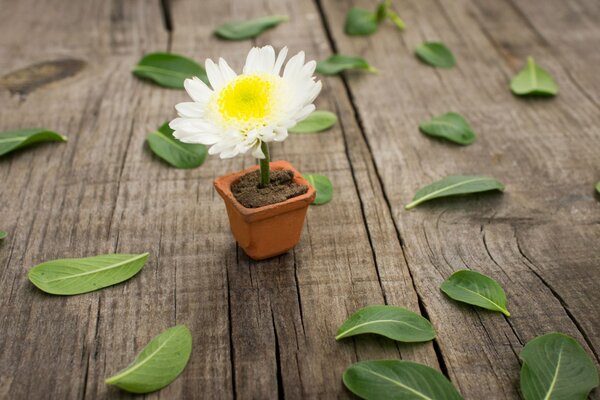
<point x="266" y="329"/>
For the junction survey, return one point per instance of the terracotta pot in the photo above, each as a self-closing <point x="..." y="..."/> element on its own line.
<point x="271" y="230"/>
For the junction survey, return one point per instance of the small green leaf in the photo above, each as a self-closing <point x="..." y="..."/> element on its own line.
<point x="168" y="70"/>
<point x="533" y="81"/>
<point x="454" y="185"/>
<point x="248" y="29"/>
<point x="436" y="54"/>
<point x="477" y="289"/>
<point x="175" y="152"/>
<point x="323" y="186"/>
<point x="82" y="275"/>
<point x="396" y="20"/>
<point x="338" y="63"/>
<point x="398" y="380"/>
<point x="158" y="364"/>
<point x="360" y="22"/>
<point x="556" y="367"/>
<point x="450" y="126"/>
<point x="318" y="121"/>
<point x="13" y="140"/>
<point x="598" y="187"/>
<point x="396" y="323"/>
<point x="3" y="235"/>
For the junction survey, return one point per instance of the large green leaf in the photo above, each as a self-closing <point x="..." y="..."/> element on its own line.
<point x="13" y="140"/>
<point x="168" y="70"/>
<point x="158" y="364"/>
<point x="454" y="185"/>
<point x="436" y="54"/>
<point x="82" y="275"/>
<point x="240" y="30"/>
<point x="360" y="22"/>
<point x="398" y="380"/>
<point x="477" y="289"/>
<point x="175" y="152"/>
<point x="323" y="186"/>
<point x="393" y="322"/>
<point x="556" y="367"/>
<point x="338" y="63"/>
<point x="450" y="126"/>
<point x="533" y="81"/>
<point x="316" y="122"/>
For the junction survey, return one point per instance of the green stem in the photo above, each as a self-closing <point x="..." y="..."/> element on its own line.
<point x="265" y="175"/>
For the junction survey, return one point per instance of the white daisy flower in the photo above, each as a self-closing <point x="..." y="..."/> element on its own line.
<point x="240" y="112"/>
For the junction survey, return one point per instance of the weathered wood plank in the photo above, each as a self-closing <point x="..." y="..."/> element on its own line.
<point x="544" y="152"/>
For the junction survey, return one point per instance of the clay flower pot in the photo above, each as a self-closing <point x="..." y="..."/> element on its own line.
<point x="271" y="230"/>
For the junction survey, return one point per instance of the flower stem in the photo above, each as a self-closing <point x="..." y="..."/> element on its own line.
<point x="265" y="175"/>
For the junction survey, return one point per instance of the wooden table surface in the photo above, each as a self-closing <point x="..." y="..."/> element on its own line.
<point x="264" y="330"/>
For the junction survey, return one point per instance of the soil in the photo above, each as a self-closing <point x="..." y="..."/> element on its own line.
<point x="248" y="192"/>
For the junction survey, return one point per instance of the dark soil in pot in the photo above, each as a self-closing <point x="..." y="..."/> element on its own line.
<point x="248" y="192"/>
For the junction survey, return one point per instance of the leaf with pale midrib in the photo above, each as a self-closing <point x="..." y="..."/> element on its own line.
<point x="436" y="54"/>
<point x="318" y="121"/>
<point x="240" y="30"/>
<point x="393" y="322"/>
<point x="338" y="63"/>
<point x="81" y="275"/>
<point x="168" y="70"/>
<point x="476" y="289"/>
<point x="398" y="380"/>
<point x="323" y="186"/>
<point x="14" y="140"/>
<point x="450" y="126"/>
<point x="178" y="154"/>
<point x="533" y="80"/>
<point x="556" y="367"/>
<point x="455" y="185"/>
<point x="158" y="364"/>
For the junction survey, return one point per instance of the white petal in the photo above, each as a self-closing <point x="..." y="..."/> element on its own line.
<point x="280" y="59"/>
<point x="257" y="151"/>
<point x="305" y="112"/>
<point x="251" y="61"/>
<point x="267" y="59"/>
<point x="202" y="138"/>
<point x="214" y="75"/>
<point x="281" y="133"/>
<point x="190" y="110"/>
<point x="197" y="90"/>
<point x="226" y="71"/>
<point x="293" y="66"/>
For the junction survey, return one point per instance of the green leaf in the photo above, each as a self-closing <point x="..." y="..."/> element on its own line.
<point x="360" y="22"/>
<point x="398" y="380"/>
<point x="556" y="367"/>
<point x="168" y="70"/>
<point x="396" y="20"/>
<point x="393" y="322"/>
<point x="323" y="186"/>
<point x="3" y="235"/>
<point x="248" y="29"/>
<point x="533" y="81"/>
<point x="318" y="121"/>
<point x="82" y="275"/>
<point x="450" y="126"/>
<point x="13" y="140"/>
<point x="436" y="54"/>
<point x="454" y="185"/>
<point x="598" y="187"/>
<point x="158" y="364"/>
<point x="477" y="289"/>
<point x="338" y="63"/>
<point x="178" y="154"/>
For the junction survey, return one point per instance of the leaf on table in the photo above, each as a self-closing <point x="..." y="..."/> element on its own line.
<point x="323" y="186"/>
<point x="158" y="364"/>
<point x="533" y="80"/>
<point x="318" y="121"/>
<point x="556" y="367"/>
<point x="450" y="126"/>
<point x="476" y="289"/>
<point x="393" y="322"/>
<point x="436" y="54"/>
<point x="598" y="187"/>
<point x="3" y="235"/>
<point x="360" y="22"/>
<point x="240" y="30"/>
<point x="178" y="154"/>
<point x="395" y="379"/>
<point x="338" y="63"/>
<point x="455" y="185"/>
<point x="81" y="275"/>
<point x="14" y="140"/>
<point x="168" y="70"/>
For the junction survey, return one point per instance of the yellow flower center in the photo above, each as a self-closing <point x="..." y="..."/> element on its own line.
<point x="247" y="101"/>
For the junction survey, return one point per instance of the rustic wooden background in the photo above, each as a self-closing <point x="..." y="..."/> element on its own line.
<point x="266" y="330"/>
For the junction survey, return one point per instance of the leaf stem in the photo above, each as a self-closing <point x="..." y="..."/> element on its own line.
<point x="265" y="173"/>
